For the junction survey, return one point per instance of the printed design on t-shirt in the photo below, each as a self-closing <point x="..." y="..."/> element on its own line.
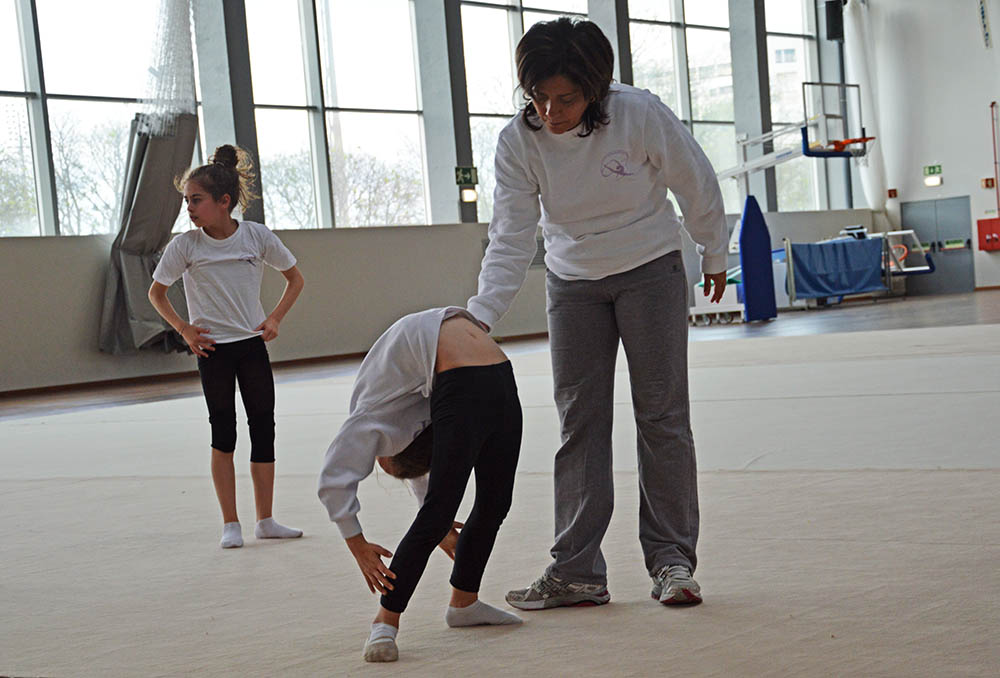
<point x="250" y="260"/>
<point x="615" y="164"/>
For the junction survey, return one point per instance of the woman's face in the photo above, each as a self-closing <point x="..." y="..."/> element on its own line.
<point x="559" y="103"/>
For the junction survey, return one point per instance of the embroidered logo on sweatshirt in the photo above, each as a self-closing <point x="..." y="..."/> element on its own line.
<point x="615" y="164"/>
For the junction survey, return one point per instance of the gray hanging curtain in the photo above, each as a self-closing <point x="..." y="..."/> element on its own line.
<point x="149" y="207"/>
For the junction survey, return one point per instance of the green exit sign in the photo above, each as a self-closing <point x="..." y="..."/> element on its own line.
<point x="931" y="170"/>
<point x="466" y="176"/>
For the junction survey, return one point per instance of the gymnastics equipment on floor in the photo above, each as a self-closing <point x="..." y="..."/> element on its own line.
<point x="755" y="261"/>
<point x="859" y="263"/>
<point x="728" y="310"/>
<point x="750" y="286"/>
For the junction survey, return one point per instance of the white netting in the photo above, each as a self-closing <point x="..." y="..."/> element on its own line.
<point x="170" y="88"/>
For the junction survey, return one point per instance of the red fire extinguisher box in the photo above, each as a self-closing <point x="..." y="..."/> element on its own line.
<point x="989" y="234"/>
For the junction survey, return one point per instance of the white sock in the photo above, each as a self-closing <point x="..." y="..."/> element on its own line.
<point x="269" y="528"/>
<point x="478" y="614"/>
<point x="381" y="645"/>
<point x="232" y="536"/>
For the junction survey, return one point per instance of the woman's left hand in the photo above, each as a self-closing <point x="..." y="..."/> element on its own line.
<point x="268" y="329"/>
<point x="715" y="284"/>
<point x="450" y="541"/>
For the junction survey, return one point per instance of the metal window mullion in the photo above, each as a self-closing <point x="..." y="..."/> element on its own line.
<point x="38" y="118"/>
<point x="489" y="5"/>
<point x="390" y="111"/>
<point x="612" y="18"/>
<point x="780" y="34"/>
<point x="624" y="42"/>
<point x="318" y="142"/>
<point x="815" y="73"/>
<point x="459" y="98"/>
<point x="426" y="148"/>
<point x="94" y="98"/>
<point x="819" y="169"/>
<point x="681" y="70"/>
<point x="656" y="22"/>
<point x="438" y="94"/>
<point x="515" y="31"/>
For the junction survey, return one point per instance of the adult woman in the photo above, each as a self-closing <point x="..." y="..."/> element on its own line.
<point x="591" y="162"/>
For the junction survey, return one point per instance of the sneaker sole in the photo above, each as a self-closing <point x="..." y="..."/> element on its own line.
<point x="592" y="601"/>
<point x="684" y="597"/>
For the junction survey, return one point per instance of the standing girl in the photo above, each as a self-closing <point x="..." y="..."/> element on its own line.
<point x="591" y="162"/>
<point x="220" y="262"/>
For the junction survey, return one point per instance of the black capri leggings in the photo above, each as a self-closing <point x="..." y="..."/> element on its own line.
<point x="476" y="417"/>
<point x="245" y="361"/>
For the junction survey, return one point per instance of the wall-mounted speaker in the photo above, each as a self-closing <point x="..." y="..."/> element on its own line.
<point x="835" y="20"/>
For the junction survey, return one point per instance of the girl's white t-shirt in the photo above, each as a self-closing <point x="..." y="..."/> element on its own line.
<point x="222" y="277"/>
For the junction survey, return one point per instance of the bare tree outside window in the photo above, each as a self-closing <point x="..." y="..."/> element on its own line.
<point x="89" y="164"/>
<point x="18" y="209"/>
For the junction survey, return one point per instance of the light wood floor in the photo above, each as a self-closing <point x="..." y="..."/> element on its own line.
<point x="976" y="308"/>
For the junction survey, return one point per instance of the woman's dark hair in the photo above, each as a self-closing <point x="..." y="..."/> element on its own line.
<point x="415" y="460"/>
<point x="229" y="172"/>
<point x="575" y="49"/>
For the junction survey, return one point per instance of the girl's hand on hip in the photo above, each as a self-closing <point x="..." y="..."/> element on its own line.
<point x="718" y="281"/>
<point x="369" y="557"/>
<point x="268" y="329"/>
<point x="450" y="541"/>
<point x="195" y="341"/>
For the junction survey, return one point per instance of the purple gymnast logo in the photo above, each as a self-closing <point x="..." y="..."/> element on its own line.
<point x="615" y="164"/>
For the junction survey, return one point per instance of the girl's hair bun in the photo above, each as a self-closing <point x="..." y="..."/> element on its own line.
<point x="225" y="155"/>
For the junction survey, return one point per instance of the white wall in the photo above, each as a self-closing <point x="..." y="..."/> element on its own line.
<point x="936" y="80"/>
<point x="358" y="281"/>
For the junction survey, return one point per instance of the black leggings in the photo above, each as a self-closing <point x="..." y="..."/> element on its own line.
<point x="476" y="417"/>
<point x="245" y="361"/>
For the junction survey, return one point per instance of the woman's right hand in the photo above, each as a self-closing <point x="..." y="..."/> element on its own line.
<point x="195" y="341"/>
<point x="369" y="557"/>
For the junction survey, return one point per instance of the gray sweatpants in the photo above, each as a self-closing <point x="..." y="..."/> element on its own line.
<point x="646" y="308"/>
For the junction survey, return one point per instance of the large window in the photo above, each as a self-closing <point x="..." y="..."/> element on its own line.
<point x="791" y="48"/>
<point x="490" y="35"/>
<point x="274" y="35"/>
<point x="89" y="112"/>
<point x="337" y="102"/>
<point x="373" y="117"/>
<point x="684" y="58"/>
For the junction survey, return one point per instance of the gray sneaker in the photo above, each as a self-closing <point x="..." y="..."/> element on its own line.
<point x="547" y="591"/>
<point x="673" y="585"/>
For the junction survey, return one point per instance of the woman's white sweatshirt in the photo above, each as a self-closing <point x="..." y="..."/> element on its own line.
<point x="601" y="200"/>
<point x="390" y="406"/>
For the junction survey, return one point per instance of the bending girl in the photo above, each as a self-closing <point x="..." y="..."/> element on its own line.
<point x="434" y="382"/>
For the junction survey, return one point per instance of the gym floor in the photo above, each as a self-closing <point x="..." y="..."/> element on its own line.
<point x="850" y="521"/>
